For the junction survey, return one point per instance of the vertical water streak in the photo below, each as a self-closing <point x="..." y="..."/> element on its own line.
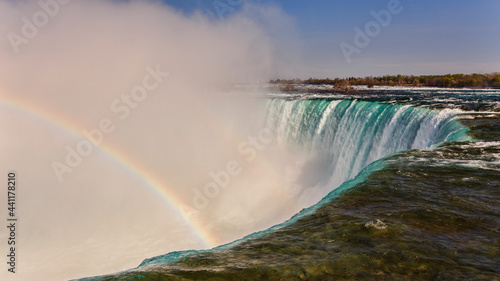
<point x="340" y="138"/>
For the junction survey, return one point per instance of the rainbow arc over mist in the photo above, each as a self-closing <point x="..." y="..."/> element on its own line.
<point x="159" y="186"/>
<point x="139" y="171"/>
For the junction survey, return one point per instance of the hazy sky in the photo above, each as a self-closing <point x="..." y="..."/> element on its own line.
<point x="425" y="37"/>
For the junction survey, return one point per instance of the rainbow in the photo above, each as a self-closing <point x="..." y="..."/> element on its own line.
<point x="135" y="169"/>
<point x="141" y="173"/>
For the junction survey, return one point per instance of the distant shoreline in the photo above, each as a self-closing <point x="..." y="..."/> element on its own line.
<point x="452" y="81"/>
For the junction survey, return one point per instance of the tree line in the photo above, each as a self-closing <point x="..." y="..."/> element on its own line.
<point x="491" y="80"/>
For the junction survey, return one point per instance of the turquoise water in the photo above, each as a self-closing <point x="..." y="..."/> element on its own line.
<point x="396" y="203"/>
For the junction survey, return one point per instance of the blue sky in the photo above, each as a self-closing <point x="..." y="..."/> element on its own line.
<point x="426" y="37"/>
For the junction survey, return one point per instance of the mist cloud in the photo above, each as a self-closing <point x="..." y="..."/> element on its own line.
<point x="83" y="57"/>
